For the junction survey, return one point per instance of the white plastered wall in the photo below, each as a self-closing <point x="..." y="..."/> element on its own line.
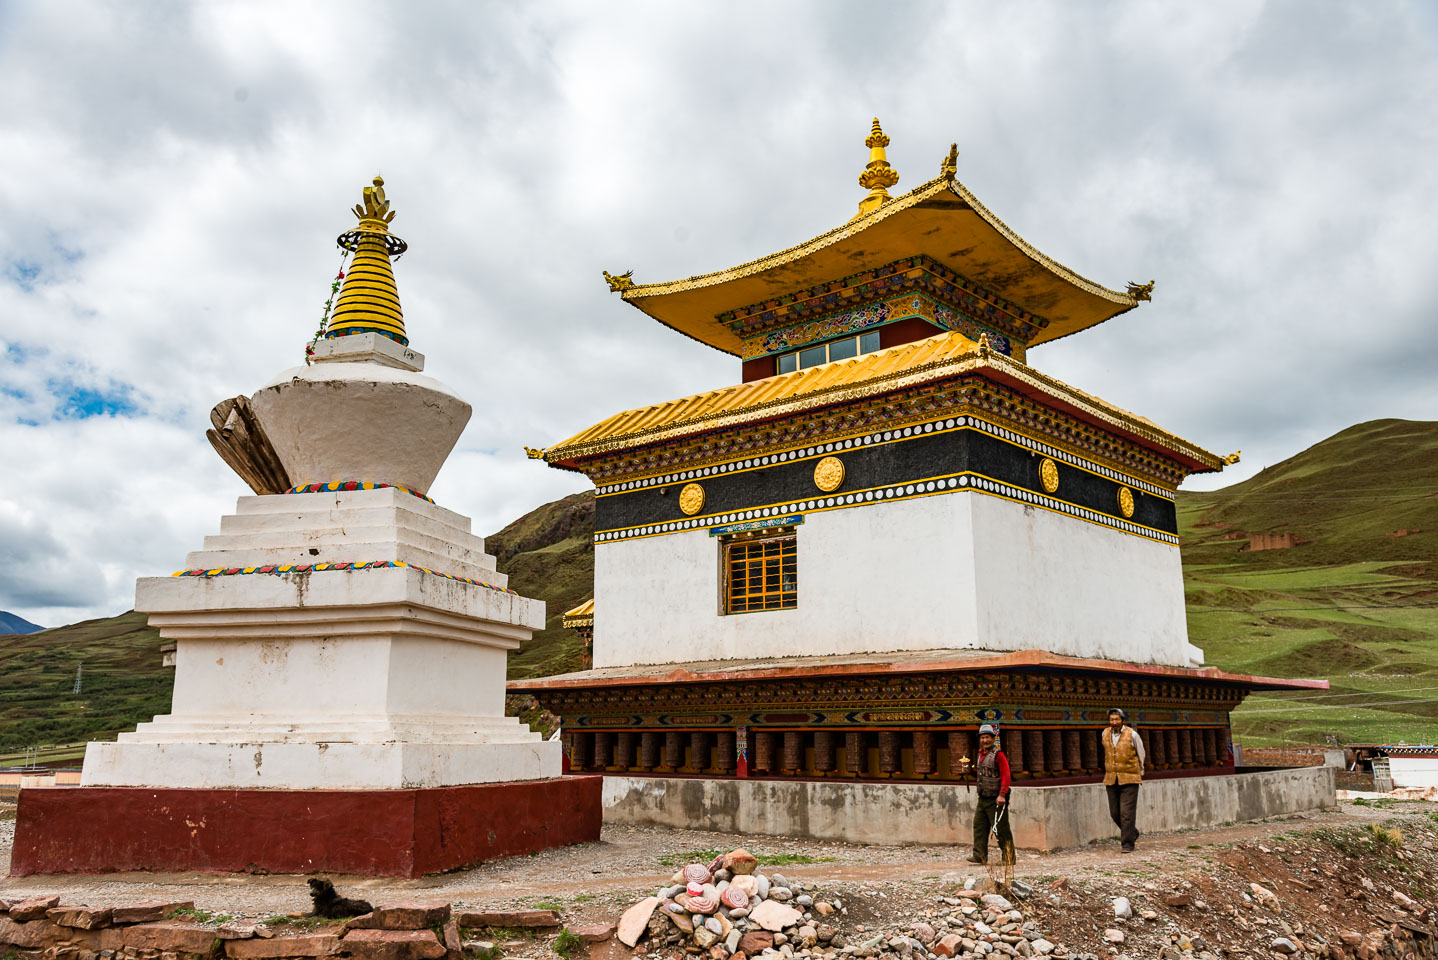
<point x="953" y="571"/>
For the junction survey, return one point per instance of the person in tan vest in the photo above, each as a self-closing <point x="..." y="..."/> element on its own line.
<point x="1123" y="762"/>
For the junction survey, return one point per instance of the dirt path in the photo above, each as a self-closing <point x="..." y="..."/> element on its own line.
<point x="589" y="880"/>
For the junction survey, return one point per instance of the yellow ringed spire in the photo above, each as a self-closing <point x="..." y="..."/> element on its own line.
<point x="369" y="300"/>
<point x="878" y="176"/>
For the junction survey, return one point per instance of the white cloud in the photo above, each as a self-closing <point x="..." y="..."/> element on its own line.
<point x="174" y="175"/>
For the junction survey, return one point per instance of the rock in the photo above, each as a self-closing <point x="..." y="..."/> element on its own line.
<point x="1178" y="900"/>
<point x="697" y="873"/>
<point x="756" y="941"/>
<point x="263" y="932"/>
<point x="307" y="945"/>
<point x="948" y="945"/>
<point x="746" y="882"/>
<point x="704" y="905"/>
<point x="594" y="932"/>
<point x="635" y="920"/>
<point x="734" y="898"/>
<point x="713" y="925"/>
<point x="483" y="949"/>
<point x="924" y="933"/>
<point x="738" y="913"/>
<point x="824" y="933"/>
<point x="669" y="893"/>
<point x="1059" y="883"/>
<point x="804" y="900"/>
<point x="721" y="875"/>
<point x="453" y="946"/>
<point x="1351" y="938"/>
<point x="824" y="908"/>
<point x="780" y="939"/>
<point x="781" y="894"/>
<point x="1402" y="899"/>
<point x="80" y="918"/>
<point x="1122" y="908"/>
<point x="1283" y="945"/>
<point x="773" y="916"/>
<point x="149" y="911"/>
<point x="740" y="863"/>
<point x="682" y="921"/>
<point x="1042" y="947"/>
<point x="1113" y="935"/>
<point x="411" y="915"/>
<point x="1149" y="914"/>
<point x="1265" y="896"/>
<point x="235" y="930"/>
<point x="995" y="902"/>
<point x="33" y="908"/>
<point x="761" y="885"/>
<point x="184" y="938"/>
<point x="705" y="937"/>
<point x="531" y="919"/>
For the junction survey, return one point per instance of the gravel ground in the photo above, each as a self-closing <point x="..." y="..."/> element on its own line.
<point x="593" y="879"/>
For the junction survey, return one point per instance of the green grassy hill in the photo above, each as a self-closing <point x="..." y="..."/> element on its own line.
<point x="1352" y="604"/>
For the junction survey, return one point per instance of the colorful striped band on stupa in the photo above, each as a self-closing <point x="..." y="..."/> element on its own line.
<point x="279" y="568"/>
<point x="369" y="300"/>
<point x="338" y="486"/>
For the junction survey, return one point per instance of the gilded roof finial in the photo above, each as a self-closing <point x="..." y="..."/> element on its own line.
<point x="1232" y="458"/>
<point x="618" y="283"/>
<point x="949" y="169"/>
<point x="369" y="300"/>
<point x="1141" y="291"/>
<point x="877" y="175"/>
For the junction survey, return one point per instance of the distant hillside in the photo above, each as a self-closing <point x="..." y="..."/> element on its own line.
<point x="122" y="682"/>
<point x="9" y="623"/>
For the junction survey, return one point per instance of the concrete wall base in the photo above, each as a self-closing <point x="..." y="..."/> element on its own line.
<point x="1044" y="818"/>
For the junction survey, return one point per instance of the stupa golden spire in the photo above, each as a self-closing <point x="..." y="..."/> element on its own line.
<point x="369" y="299"/>
<point x="878" y="176"/>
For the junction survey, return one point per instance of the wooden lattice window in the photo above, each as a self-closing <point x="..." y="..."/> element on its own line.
<point x="761" y="575"/>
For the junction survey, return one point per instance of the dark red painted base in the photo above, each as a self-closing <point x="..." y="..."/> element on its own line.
<point x="395" y="833"/>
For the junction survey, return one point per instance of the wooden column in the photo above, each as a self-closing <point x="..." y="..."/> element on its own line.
<point x="824" y="751"/>
<point x="923" y="753"/>
<point x="890" y="759"/>
<point x="649" y="749"/>
<point x="699" y="749"/>
<point x="763" y="750"/>
<point x="855" y="753"/>
<point x="673" y="749"/>
<point x="1034" y="752"/>
<point x="603" y="749"/>
<point x="724" y="750"/>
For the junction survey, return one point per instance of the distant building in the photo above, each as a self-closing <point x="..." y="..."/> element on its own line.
<point x="1272" y="541"/>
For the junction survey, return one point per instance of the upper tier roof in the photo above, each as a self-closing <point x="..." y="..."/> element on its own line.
<point x="940" y="219"/>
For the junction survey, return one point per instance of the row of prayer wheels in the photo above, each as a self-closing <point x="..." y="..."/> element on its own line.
<point x="887" y="754"/>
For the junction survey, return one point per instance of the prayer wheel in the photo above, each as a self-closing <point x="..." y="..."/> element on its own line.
<point x="1185" y="745"/>
<point x="824" y="748"/>
<point x="763" y="750"/>
<point x="1034" y="752"/>
<point x="1174" y="757"/>
<point x="1013" y="746"/>
<point x="890" y="759"/>
<point x="1073" y="752"/>
<point x="1156" y="745"/>
<point x="1054" y="751"/>
<point x="1207" y="751"/>
<point x="649" y="749"/>
<point x="673" y="749"/>
<point x="579" y="751"/>
<point x="725" y="754"/>
<point x="959" y="747"/>
<point x="1092" y="755"/>
<point x="793" y="751"/>
<point x="923" y="752"/>
<point x="698" y="750"/>
<point x="603" y="749"/>
<point x="624" y="749"/>
<point x="854" y="753"/>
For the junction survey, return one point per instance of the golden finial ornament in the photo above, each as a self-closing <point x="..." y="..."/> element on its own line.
<point x="1231" y="459"/>
<point x="878" y="176"/>
<point x="1141" y="291"/>
<point x="949" y="168"/>
<point x="620" y="283"/>
<point x="369" y="300"/>
<point x="534" y="454"/>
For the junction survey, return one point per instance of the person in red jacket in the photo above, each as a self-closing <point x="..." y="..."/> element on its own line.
<point x="992" y="771"/>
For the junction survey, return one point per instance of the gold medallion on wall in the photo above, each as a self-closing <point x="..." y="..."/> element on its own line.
<point x="1125" y="501"/>
<point x="691" y="499"/>
<point x="1049" y="474"/>
<point x="829" y="474"/>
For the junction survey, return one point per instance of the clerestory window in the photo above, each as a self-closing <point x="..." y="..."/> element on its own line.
<point x="827" y="352"/>
<point x="761" y="574"/>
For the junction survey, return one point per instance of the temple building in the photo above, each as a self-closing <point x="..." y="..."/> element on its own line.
<point x="891" y="529"/>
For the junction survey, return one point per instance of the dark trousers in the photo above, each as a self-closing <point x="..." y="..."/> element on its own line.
<point x="985" y="811"/>
<point x="1123" y="807"/>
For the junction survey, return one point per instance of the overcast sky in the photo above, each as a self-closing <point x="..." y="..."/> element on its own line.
<point x="172" y="177"/>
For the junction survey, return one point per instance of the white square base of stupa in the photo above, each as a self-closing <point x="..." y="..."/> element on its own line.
<point x="385" y="677"/>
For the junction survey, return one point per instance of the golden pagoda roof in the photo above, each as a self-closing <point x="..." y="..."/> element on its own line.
<point x="580" y="616"/>
<point x="933" y="358"/>
<point x="940" y="219"/>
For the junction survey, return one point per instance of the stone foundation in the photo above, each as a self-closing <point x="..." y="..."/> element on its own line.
<point x="1044" y="818"/>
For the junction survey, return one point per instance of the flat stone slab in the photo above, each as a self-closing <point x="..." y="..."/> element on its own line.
<point x="81" y="918"/>
<point x="304" y="945"/>
<point x="149" y="911"/>
<point x="35" y="908"/>
<point x="413" y="915"/>
<point x="393" y="945"/>
<point x="538" y="919"/>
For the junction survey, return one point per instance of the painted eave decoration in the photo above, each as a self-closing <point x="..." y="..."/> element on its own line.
<point x="940" y="219"/>
<point x="934" y="358"/>
<point x="580" y="616"/>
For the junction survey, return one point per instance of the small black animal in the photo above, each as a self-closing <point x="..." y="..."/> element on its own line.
<point x="329" y="904"/>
